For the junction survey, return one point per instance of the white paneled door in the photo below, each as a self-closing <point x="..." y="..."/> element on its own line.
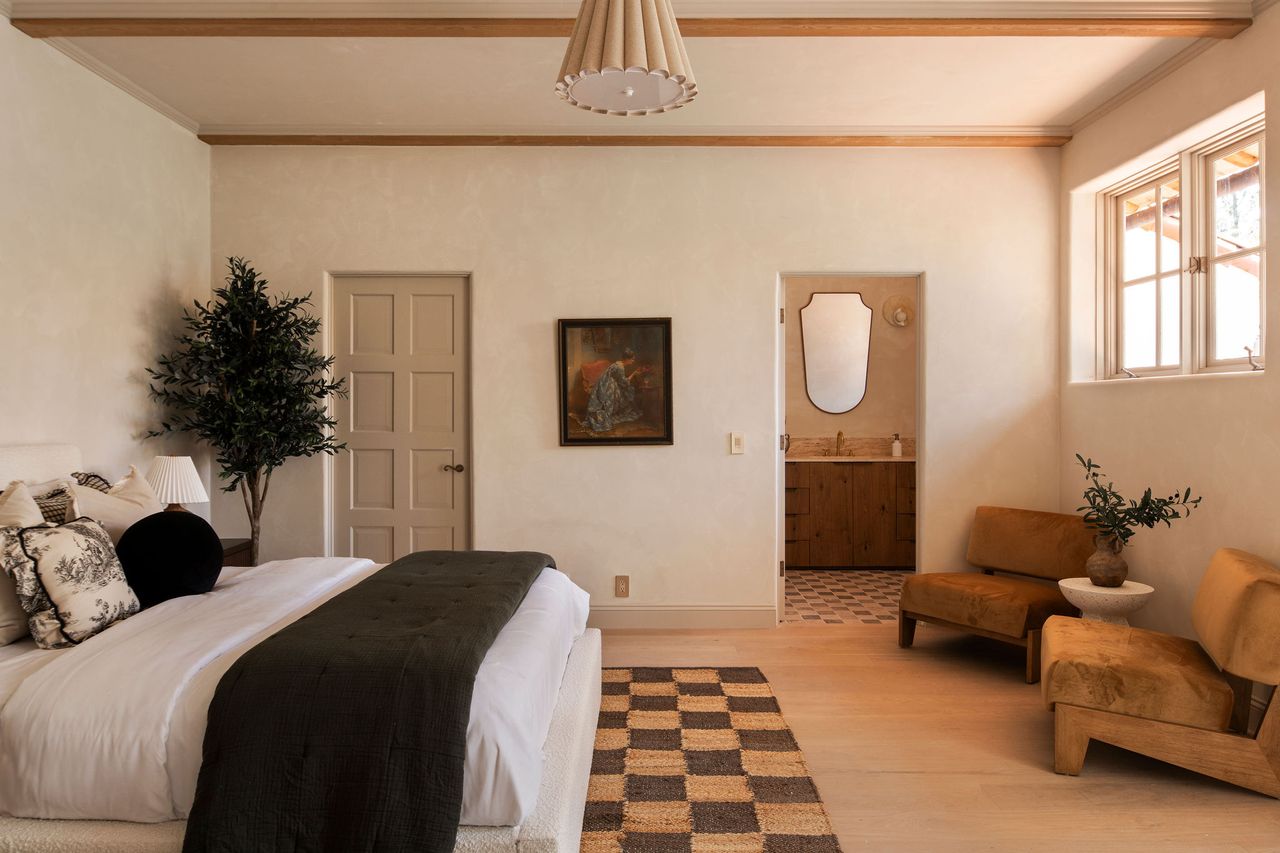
<point x="403" y="483"/>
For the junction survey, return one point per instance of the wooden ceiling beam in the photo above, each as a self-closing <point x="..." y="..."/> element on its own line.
<point x="640" y="141"/>
<point x="1220" y="28"/>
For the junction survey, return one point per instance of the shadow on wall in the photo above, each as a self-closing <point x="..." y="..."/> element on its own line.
<point x="162" y="318"/>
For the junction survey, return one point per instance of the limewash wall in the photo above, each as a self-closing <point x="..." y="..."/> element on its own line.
<point x="1218" y="433"/>
<point x="104" y="237"/>
<point x="699" y="235"/>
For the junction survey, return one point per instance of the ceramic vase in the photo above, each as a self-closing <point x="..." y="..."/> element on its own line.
<point x="1105" y="567"/>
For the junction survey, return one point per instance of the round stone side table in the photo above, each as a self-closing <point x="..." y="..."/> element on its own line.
<point x="1106" y="604"/>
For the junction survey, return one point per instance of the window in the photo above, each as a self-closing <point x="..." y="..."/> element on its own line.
<point x="1184" y="261"/>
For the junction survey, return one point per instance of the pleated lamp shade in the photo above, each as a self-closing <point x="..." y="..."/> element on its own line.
<point x="175" y="481"/>
<point x="626" y="58"/>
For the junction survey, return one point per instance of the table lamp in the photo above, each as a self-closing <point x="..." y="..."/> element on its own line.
<point x="176" y="482"/>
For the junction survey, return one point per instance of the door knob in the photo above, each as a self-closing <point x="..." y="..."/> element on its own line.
<point x="457" y="469"/>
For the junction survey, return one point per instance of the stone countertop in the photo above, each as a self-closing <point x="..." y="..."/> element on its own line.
<point x="850" y="459"/>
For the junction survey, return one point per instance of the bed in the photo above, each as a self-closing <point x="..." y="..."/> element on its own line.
<point x="81" y="773"/>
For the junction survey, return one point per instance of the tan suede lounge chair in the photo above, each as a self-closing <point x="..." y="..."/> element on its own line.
<point x="1032" y="551"/>
<point x="1171" y="698"/>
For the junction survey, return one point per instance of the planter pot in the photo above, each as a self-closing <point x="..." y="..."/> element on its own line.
<point x="1105" y="567"/>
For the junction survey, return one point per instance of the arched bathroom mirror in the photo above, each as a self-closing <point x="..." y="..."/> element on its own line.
<point x="835" y="330"/>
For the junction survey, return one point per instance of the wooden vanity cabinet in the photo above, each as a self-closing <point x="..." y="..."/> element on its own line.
<point x="850" y="514"/>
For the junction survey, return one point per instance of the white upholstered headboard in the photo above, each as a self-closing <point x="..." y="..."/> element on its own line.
<point x="37" y="462"/>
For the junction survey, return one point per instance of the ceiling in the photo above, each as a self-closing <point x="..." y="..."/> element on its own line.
<point x="337" y="85"/>
<point x="746" y="85"/>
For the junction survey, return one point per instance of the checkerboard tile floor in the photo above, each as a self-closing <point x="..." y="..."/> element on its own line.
<point x="699" y="761"/>
<point x="843" y="596"/>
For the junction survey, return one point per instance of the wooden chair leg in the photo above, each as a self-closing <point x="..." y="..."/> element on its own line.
<point x="1243" y="707"/>
<point x="1233" y="758"/>
<point x="1069" y="742"/>
<point x="906" y="630"/>
<point x="1033" y="656"/>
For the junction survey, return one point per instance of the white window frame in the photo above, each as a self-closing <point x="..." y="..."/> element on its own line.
<point x="1204" y="240"/>
<point x="1198" y="194"/>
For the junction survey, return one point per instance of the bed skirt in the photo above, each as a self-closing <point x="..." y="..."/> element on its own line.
<point x="555" y="826"/>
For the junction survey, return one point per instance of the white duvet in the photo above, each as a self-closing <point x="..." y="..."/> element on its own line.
<point x="113" y="728"/>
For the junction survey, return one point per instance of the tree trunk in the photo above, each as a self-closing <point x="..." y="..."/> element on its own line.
<point x="255" y="533"/>
<point x="253" y="488"/>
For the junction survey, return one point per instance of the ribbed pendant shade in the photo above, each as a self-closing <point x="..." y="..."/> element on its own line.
<point x="175" y="480"/>
<point x="626" y="58"/>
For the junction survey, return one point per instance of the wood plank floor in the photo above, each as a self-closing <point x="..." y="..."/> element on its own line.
<point x="942" y="747"/>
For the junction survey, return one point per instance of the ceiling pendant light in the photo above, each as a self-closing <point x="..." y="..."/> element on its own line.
<point x="626" y="58"/>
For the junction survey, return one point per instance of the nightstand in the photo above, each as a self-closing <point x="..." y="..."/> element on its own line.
<point x="235" y="552"/>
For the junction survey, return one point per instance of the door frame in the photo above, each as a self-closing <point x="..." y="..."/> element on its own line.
<point x="326" y="306"/>
<point x="780" y="408"/>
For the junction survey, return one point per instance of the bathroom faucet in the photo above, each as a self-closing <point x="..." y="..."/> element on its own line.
<point x="839" y="442"/>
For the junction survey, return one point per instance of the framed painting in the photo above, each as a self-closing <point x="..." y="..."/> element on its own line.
<point x="615" y="381"/>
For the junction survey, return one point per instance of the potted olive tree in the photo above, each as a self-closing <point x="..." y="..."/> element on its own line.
<point x="246" y="379"/>
<point x="1116" y="519"/>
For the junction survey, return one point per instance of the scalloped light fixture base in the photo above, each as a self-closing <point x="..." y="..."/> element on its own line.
<point x="626" y="58"/>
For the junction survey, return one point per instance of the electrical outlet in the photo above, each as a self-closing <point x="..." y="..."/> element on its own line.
<point x="737" y="443"/>
<point x="621" y="586"/>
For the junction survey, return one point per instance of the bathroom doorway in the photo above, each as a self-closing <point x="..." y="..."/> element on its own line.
<point x="849" y="416"/>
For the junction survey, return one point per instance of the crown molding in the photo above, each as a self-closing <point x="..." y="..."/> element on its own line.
<point x="6" y="9"/>
<point x="688" y="8"/>
<point x="72" y="50"/>
<point x="1143" y="83"/>
<point x="638" y="141"/>
<point x="538" y="131"/>
<point x="1157" y="74"/>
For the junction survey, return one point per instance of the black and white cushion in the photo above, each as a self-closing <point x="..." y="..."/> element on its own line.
<point x="56" y="505"/>
<point x="69" y="581"/>
<point x="96" y="482"/>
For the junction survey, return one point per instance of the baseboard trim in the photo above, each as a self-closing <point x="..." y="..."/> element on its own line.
<point x="682" y="616"/>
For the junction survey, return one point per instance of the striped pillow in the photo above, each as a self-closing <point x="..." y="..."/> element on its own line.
<point x="57" y="506"/>
<point x="92" y="481"/>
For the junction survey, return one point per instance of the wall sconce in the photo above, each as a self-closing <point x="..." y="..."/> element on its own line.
<point x="899" y="311"/>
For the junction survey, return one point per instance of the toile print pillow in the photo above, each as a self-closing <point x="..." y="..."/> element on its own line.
<point x="69" y="581"/>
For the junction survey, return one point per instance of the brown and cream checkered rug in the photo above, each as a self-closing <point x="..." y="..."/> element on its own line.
<point x="699" y="761"/>
<point x="843" y="596"/>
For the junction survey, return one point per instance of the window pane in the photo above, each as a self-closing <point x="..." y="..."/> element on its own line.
<point x="1139" y="211"/>
<point x="1171" y="226"/>
<point x="1170" y="321"/>
<point x="1236" y="307"/>
<point x="1140" y="325"/>
<point x="1238" y="208"/>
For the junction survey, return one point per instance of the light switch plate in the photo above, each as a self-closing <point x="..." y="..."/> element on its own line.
<point x="737" y="443"/>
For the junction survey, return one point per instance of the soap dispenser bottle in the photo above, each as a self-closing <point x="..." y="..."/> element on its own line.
<point x="897" y="445"/>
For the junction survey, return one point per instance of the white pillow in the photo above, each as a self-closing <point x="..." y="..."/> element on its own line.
<point x="128" y="500"/>
<point x="17" y="510"/>
<point x="69" y="581"/>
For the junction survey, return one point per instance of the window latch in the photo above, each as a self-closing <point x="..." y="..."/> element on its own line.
<point x="1198" y="264"/>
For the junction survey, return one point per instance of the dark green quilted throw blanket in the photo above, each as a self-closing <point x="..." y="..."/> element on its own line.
<point x="346" y="731"/>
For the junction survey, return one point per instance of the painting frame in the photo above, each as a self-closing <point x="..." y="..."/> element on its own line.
<point x="610" y="338"/>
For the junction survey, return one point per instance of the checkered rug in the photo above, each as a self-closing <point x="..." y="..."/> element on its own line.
<point x="843" y="596"/>
<point x="699" y="761"/>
